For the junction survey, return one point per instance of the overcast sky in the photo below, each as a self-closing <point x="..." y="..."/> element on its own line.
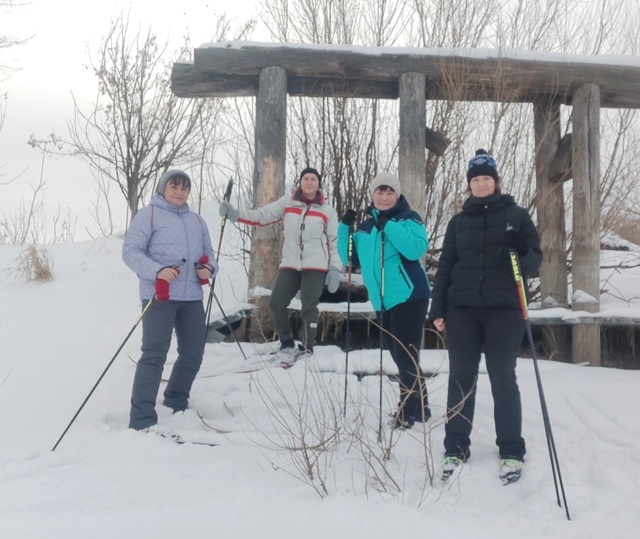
<point x="52" y="65"/>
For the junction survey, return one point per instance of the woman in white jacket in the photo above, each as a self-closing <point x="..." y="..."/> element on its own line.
<point x="309" y="255"/>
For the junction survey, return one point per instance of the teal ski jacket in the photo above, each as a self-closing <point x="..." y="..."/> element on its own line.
<point x="405" y="242"/>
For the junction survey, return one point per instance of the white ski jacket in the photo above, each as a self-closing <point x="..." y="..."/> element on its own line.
<point x="310" y="230"/>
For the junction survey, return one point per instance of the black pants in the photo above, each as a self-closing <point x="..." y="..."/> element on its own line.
<point x="497" y="332"/>
<point x="310" y="283"/>
<point x="403" y="328"/>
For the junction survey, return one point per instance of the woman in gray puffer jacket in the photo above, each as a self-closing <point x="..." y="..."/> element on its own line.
<point x="169" y="248"/>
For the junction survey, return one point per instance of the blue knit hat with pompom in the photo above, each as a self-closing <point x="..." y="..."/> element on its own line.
<point x="482" y="165"/>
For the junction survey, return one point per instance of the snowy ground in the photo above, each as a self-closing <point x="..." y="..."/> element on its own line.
<point x="106" y="481"/>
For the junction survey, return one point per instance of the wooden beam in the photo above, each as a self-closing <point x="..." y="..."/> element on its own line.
<point x="374" y="72"/>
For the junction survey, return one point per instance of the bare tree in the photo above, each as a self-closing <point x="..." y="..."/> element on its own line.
<point x="350" y="140"/>
<point x="137" y="128"/>
<point x="7" y="42"/>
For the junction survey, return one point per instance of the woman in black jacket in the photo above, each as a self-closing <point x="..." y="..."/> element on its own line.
<point x="476" y="299"/>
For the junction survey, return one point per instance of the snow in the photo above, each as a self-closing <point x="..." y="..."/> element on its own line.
<point x="106" y="481"/>
<point x="477" y="53"/>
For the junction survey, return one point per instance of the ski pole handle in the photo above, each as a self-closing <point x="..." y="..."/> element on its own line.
<point x="227" y="192"/>
<point x="517" y="275"/>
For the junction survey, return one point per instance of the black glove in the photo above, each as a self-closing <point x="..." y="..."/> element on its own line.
<point x="513" y="239"/>
<point x="349" y="217"/>
<point x="381" y="222"/>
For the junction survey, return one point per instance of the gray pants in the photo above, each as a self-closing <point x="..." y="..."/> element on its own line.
<point x="187" y="317"/>
<point x="288" y="282"/>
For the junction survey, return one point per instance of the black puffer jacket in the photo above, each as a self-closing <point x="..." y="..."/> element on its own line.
<point x="474" y="267"/>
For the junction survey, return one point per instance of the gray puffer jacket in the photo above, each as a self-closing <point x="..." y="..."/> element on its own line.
<point x="161" y="235"/>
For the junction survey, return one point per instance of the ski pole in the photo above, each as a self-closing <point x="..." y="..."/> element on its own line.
<point x="226" y="320"/>
<point x="553" y="455"/>
<point x="381" y="328"/>
<point x="226" y="197"/>
<point x="144" y="311"/>
<point x="348" y="343"/>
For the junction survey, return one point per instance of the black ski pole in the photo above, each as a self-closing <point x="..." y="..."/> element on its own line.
<point x="553" y="455"/>
<point x="348" y="343"/>
<point x="226" y="198"/>
<point x="226" y="320"/>
<point x="144" y="311"/>
<point x="381" y="328"/>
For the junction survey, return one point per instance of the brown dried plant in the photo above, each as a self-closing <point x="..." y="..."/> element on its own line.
<point x="34" y="264"/>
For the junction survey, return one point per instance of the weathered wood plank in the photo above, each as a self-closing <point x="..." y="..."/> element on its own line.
<point x="550" y="203"/>
<point x="268" y="185"/>
<point x="412" y="139"/>
<point x="551" y="215"/>
<point x="585" y="161"/>
<point x="373" y="72"/>
<point x="585" y="118"/>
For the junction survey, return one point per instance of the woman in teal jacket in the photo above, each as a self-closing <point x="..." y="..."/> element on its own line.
<point x="401" y="301"/>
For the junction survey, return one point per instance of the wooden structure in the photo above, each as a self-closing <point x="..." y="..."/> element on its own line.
<point x="271" y="71"/>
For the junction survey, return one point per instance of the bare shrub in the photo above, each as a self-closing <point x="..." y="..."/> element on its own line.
<point x="34" y="264"/>
<point x="324" y="445"/>
<point x="306" y="423"/>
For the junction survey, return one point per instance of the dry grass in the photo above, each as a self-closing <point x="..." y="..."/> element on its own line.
<point x="34" y="264"/>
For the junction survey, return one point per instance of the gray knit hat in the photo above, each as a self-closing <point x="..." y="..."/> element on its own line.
<point x="166" y="177"/>
<point x="386" y="178"/>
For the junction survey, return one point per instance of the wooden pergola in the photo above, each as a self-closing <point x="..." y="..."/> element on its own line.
<point x="271" y="71"/>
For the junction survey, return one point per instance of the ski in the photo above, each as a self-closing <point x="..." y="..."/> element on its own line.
<point x="181" y="441"/>
<point x="207" y="423"/>
<point x="261" y="364"/>
<point x="271" y="363"/>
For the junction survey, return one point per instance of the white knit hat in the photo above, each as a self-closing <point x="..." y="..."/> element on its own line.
<point x="386" y="178"/>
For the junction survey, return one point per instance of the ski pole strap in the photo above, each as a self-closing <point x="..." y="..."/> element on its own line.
<point x="517" y="275"/>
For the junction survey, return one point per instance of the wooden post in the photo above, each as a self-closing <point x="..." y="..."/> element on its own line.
<point x="551" y="221"/>
<point x="412" y="143"/>
<point x="550" y="203"/>
<point x="268" y="185"/>
<point x="585" y="159"/>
